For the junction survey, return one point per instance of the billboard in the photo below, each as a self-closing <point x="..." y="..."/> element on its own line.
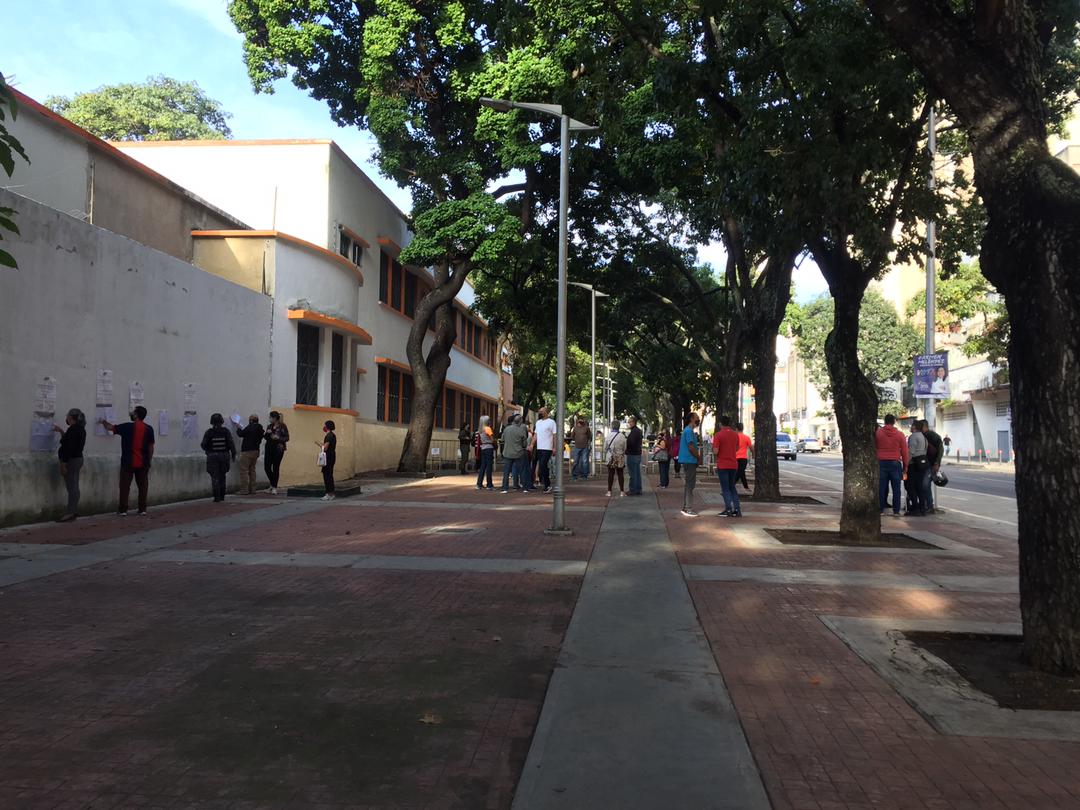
<point x="932" y="376"/>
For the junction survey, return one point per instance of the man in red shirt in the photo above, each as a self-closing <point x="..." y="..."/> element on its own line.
<point x="136" y="450"/>
<point x="726" y="448"/>
<point x="742" y="455"/>
<point x="892" y="453"/>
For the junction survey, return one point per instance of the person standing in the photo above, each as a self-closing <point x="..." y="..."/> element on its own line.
<point x="673" y="450"/>
<point x="485" y="443"/>
<point x="515" y="437"/>
<point x="948" y="445"/>
<point x="581" y="438"/>
<point x="251" y="436"/>
<point x="662" y="455"/>
<point x="329" y="447"/>
<point x="72" y="442"/>
<point x="136" y="452"/>
<point x="615" y="456"/>
<point x="464" y="438"/>
<point x="546" y="429"/>
<point x="742" y="455"/>
<point x="892" y="454"/>
<point x="726" y="448"/>
<point x="935" y="453"/>
<point x="689" y="458"/>
<point x="277" y="438"/>
<point x="916" y="443"/>
<point x="220" y="449"/>
<point x="634" y="439"/>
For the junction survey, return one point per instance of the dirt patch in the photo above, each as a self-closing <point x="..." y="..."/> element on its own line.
<point x="820" y="537"/>
<point x="994" y="665"/>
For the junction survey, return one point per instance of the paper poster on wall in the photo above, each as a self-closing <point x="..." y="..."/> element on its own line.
<point x="135" y="394"/>
<point x="42" y="436"/>
<point x="45" y="398"/>
<point x="190" y="426"/>
<point x="163" y="423"/>
<point x="104" y="395"/>
<point x="106" y="413"/>
<point x="190" y="404"/>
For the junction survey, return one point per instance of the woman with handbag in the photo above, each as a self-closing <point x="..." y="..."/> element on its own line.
<point x="615" y="454"/>
<point x="72" y="442"/>
<point x="327" y="457"/>
<point x="662" y="456"/>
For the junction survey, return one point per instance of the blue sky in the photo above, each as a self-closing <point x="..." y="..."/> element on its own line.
<point x="62" y="47"/>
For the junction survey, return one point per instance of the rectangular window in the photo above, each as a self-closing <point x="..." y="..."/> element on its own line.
<point x="357" y="253"/>
<point x="384" y="277"/>
<point x="475" y="412"/>
<point x="395" y="286"/>
<point x="410" y="294"/>
<point x="451" y="409"/>
<point x="307" y="364"/>
<point x="380" y="394"/>
<point x="337" y="363"/>
<point x="344" y="244"/>
<point x="393" y="399"/>
<point x="406" y="398"/>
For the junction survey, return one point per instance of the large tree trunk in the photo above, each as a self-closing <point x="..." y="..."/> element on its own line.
<point x="429" y="374"/>
<point x="854" y="398"/>
<point x="727" y="397"/>
<point x="989" y="72"/>
<point x="766" y="464"/>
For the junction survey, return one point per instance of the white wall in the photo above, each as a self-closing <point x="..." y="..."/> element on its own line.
<point x="58" y="174"/>
<point x="281" y="186"/>
<point x="83" y="299"/>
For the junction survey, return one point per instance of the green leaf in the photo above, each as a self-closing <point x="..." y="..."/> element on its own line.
<point x="7" y="260"/>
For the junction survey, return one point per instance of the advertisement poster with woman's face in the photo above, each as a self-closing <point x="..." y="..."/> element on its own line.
<point x="932" y="376"/>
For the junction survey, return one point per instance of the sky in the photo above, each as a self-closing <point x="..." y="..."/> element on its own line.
<point x="63" y="47"/>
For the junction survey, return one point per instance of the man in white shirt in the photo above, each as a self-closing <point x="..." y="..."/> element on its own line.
<point x="544" y="439"/>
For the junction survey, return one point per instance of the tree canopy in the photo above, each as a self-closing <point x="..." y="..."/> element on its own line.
<point x="159" y="109"/>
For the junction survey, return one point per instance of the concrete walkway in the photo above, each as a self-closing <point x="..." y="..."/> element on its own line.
<point x="637" y="714"/>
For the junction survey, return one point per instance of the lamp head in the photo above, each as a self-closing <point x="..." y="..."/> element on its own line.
<point x="497" y="104"/>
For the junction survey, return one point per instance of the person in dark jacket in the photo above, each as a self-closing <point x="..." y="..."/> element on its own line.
<point x="276" y="437"/>
<point x="633" y="456"/>
<point x="72" y="442"/>
<point x="251" y="436"/>
<point x="935" y="454"/>
<point x="136" y="452"/>
<point x="329" y="446"/>
<point x="220" y="449"/>
<point x="465" y="440"/>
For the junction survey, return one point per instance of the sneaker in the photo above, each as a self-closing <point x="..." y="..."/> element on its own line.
<point x="324" y="498"/>
<point x="504" y="492"/>
<point x="141" y="514"/>
<point x="726" y="513"/>
<point x="121" y="514"/>
<point x="894" y="514"/>
<point x="547" y="490"/>
<point x="608" y="493"/>
<point x="273" y="490"/>
<point x="622" y="494"/>
<point x="689" y="512"/>
<point x="736" y="513"/>
<point x="331" y="497"/>
<point x="479" y="489"/>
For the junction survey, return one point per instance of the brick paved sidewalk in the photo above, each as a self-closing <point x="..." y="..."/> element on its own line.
<point x="310" y="683"/>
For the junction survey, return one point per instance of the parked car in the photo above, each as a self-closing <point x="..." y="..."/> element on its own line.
<point x="786" y="447"/>
<point x="808" y="445"/>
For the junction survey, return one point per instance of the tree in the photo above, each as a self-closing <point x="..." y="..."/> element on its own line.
<point x="159" y="109"/>
<point x="412" y="75"/>
<point x="1008" y="71"/>
<point x="886" y="344"/>
<point x="10" y="148"/>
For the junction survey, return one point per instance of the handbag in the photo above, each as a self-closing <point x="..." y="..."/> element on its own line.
<point x="321" y="460"/>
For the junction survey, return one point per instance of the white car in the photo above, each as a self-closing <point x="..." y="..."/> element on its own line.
<point x="809" y="445"/>
<point x="786" y="447"/>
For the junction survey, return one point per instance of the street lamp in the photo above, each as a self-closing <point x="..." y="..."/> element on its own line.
<point x="592" y="380"/>
<point x="566" y="126"/>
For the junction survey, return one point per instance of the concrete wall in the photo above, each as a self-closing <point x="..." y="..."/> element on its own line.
<point x="84" y="299"/>
<point x="80" y="175"/>
<point x="278" y="185"/>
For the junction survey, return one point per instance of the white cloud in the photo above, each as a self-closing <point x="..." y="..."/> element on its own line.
<point x="213" y="12"/>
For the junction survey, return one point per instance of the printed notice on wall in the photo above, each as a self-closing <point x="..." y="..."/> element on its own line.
<point x="103" y="399"/>
<point x="45" y="398"/>
<point x="190" y="404"/>
<point x="135" y="394"/>
<point x="106" y="413"/>
<point x="41" y="428"/>
<point x="41" y="434"/>
<point x="190" y="426"/>
<point x="163" y="423"/>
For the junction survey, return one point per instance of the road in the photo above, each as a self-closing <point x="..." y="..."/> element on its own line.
<point x="984" y="494"/>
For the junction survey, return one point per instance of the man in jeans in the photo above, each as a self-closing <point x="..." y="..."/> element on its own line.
<point x="726" y="447"/>
<point x="515" y="438"/>
<point x="689" y="458"/>
<point x="581" y="436"/>
<point x="545" y="446"/>
<point x="892" y="453"/>
<point x="136" y="450"/>
<point x="935" y="453"/>
<point x="633" y="456"/>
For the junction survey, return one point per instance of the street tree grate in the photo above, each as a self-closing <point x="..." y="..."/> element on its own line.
<point x="454" y="530"/>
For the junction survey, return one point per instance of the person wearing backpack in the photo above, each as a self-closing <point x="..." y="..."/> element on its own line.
<point x="615" y="455"/>
<point x="220" y="450"/>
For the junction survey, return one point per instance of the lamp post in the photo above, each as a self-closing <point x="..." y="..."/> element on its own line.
<point x="566" y="126"/>
<point x="592" y="378"/>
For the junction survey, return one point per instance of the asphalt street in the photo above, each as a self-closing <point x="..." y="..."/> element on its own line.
<point x="986" y="494"/>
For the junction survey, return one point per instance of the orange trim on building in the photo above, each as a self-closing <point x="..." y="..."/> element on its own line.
<point x="322" y="409"/>
<point x="387" y="242"/>
<point x="296" y="240"/>
<point x="310" y="316"/>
